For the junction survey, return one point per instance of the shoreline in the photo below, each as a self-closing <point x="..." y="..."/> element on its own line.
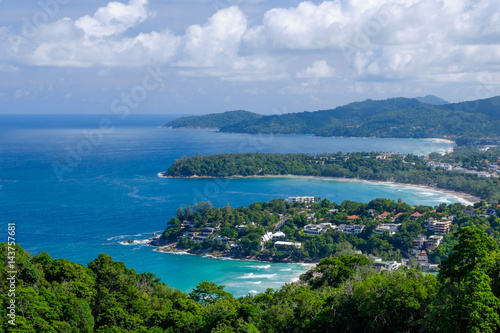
<point x="465" y="198"/>
<point x="217" y="129"/>
<point x="442" y="140"/>
<point x="171" y="248"/>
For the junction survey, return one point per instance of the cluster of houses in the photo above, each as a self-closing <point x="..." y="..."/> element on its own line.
<point x="420" y="247"/>
<point x="493" y="169"/>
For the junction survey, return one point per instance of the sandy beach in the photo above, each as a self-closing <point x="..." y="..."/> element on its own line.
<point x="442" y="140"/>
<point x="465" y="198"/>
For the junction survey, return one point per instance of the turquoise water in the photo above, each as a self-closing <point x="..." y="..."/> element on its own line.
<point x="77" y="207"/>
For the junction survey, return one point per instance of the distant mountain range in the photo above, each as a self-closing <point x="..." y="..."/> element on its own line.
<point x="389" y="118"/>
<point x="432" y="100"/>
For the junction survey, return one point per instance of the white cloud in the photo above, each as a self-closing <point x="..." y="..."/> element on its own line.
<point x="305" y="27"/>
<point x="114" y="19"/>
<point x="386" y="39"/>
<point x="216" y="41"/>
<point x="319" y="70"/>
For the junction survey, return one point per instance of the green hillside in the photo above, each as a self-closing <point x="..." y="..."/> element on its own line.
<point x="395" y="117"/>
<point x="214" y="120"/>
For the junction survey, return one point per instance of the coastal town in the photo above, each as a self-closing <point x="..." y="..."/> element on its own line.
<point x="307" y="229"/>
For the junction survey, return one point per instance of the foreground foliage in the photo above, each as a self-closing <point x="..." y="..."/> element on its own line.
<point x="340" y="295"/>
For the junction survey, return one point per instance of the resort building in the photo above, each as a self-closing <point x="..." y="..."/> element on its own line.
<point x="438" y="227"/>
<point x="317" y="229"/>
<point x="287" y="247"/>
<point x="423" y="242"/>
<point x="392" y="228"/>
<point x="433" y="242"/>
<point x="278" y="236"/>
<point x="301" y="199"/>
<point x="351" y="228"/>
<point x="419" y="242"/>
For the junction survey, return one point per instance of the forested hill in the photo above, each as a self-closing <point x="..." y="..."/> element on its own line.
<point x="395" y="117"/>
<point x="370" y="166"/>
<point x="341" y="294"/>
<point x="214" y="120"/>
<point x="390" y="118"/>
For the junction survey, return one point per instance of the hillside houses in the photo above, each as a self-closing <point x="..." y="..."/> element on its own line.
<point x="424" y="243"/>
<point x="317" y="229"/>
<point x="281" y="231"/>
<point x="391" y="228"/>
<point x="351" y="228"/>
<point x="415" y="216"/>
<point x="438" y="227"/>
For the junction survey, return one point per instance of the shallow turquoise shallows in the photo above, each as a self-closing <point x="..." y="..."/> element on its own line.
<point x="77" y="186"/>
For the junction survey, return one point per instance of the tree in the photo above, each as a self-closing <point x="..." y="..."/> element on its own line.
<point x="465" y="301"/>
<point x="333" y="271"/>
<point x="207" y="292"/>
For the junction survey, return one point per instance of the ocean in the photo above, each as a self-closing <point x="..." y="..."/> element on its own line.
<point x="80" y="185"/>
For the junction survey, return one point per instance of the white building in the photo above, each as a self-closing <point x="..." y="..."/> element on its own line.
<point x="392" y="228"/>
<point x="278" y="236"/>
<point x="387" y="265"/>
<point x="317" y="229"/>
<point x="301" y="199"/>
<point x="351" y="228"/>
<point x="287" y="247"/>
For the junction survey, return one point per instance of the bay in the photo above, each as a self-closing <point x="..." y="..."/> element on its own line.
<point x="77" y="186"/>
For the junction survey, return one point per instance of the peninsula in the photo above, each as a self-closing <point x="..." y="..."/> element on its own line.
<point x="308" y="229"/>
<point x="469" y="170"/>
<point x="428" y="117"/>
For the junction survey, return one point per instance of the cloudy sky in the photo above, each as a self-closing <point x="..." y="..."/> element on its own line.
<point x="201" y="56"/>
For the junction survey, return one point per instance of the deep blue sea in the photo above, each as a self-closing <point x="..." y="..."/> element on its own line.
<point x="77" y="186"/>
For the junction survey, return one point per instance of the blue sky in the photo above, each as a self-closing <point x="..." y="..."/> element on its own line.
<point x="197" y="56"/>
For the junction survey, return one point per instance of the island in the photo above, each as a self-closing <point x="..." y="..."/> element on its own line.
<point x="423" y="117"/>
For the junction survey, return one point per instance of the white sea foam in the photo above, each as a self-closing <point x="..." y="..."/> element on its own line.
<point x="285" y="270"/>
<point x="261" y="267"/>
<point x="253" y="292"/>
<point x="428" y="194"/>
<point x="306" y="265"/>
<point x="209" y="256"/>
<point x="135" y="242"/>
<point x="123" y="236"/>
<point x="256" y="276"/>
<point x="254" y="282"/>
